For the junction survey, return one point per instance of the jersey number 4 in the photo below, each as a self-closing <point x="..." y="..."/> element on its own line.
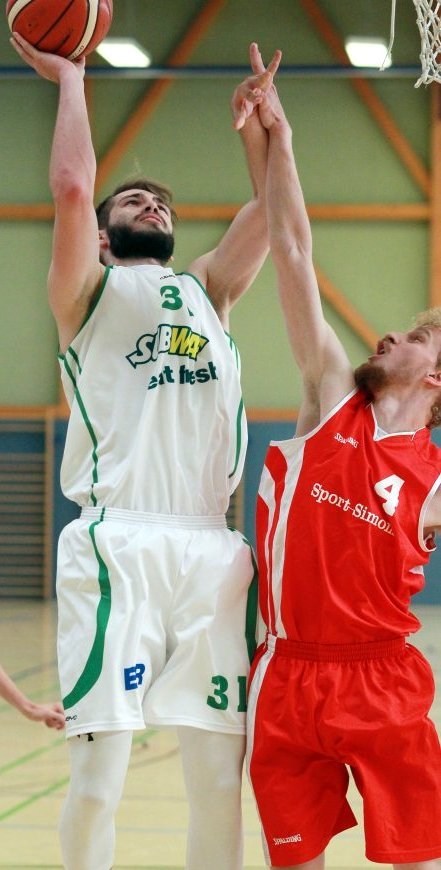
<point x="389" y="490"/>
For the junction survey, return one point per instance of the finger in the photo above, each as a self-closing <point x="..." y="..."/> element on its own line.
<point x="18" y="48"/>
<point x="19" y="40"/>
<point x="239" y="119"/>
<point x="242" y="113"/>
<point x="254" y="95"/>
<point x="274" y="63"/>
<point x="257" y="64"/>
<point x="266" y="79"/>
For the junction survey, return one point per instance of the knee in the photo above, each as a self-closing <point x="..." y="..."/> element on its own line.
<point x="227" y="780"/>
<point x="219" y="790"/>
<point x="89" y="801"/>
<point x="213" y="765"/>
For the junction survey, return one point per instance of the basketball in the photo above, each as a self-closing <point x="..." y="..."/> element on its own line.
<point x="70" y="28"/>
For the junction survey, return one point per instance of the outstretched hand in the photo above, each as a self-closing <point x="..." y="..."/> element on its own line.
<point x="48" y="66"/>
<point x="51" y="714"/>
<point x="254" y="91"/>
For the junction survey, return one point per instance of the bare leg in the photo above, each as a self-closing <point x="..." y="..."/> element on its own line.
<point x="435" y="864"/>
<point x="98" y="770"/>
<point x="212" y="765"/>
<point x="316" y="864"/>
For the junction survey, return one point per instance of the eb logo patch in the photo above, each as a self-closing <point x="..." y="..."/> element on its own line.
<point x="133" y="676"/>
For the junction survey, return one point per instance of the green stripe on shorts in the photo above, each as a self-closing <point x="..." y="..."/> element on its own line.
<point x="94" y="664"/>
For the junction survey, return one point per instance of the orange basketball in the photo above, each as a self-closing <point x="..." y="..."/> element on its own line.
<point x="70" y="28"/>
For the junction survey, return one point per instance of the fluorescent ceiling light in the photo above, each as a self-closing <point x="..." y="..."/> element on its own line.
<point x="367" y="51"/>
<point x="123" y="52"/>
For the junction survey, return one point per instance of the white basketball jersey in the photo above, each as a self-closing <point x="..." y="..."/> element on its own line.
<point x="153" y="381"/>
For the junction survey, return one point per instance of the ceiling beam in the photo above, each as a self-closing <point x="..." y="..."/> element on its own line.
<point x="346" y="310"/>
<point x="384" y="212"/>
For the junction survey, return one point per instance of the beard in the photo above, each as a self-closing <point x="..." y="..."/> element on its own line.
<point x="129" y="244"/>
<point x="370" y="378"/>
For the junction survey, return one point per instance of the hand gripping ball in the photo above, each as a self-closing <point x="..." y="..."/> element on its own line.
<point x="70" y="28"/>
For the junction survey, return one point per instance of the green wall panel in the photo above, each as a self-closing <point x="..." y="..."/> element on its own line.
<point x="28" y="370"/>
<point x="189" y="143"/>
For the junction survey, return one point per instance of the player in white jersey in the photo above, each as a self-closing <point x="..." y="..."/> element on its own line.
<point x="171" y="363"/>
<point x="152" y="586"/>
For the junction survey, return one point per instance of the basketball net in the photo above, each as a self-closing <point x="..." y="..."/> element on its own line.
<point x="429" y="25"/>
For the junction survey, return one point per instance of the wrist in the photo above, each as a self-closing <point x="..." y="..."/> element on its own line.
<point x="281" y="129"/>
<point x="253" y="128"/>
<point x="26" y="707"/>
<point x="68" y="73"/>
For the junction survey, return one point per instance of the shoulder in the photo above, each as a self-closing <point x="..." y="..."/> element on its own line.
<point x="189" y="279"/>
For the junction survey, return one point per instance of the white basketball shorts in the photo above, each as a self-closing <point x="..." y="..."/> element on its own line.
<point x="157" y="619"/>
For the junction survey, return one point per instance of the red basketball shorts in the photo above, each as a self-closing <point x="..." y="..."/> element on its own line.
<point x="315" y="711"/>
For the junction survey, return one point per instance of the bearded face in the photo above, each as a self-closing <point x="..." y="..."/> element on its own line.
<point x="129" y="244"/>
<point x="371" y="378"/>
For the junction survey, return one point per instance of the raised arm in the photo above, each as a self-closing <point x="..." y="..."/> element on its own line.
<point x="325" y="368"/>
<point x="228" y="270"/>
<point x="75" y="271"/>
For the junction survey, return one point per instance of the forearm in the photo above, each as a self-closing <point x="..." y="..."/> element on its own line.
<point x="73" y="163"/>
<point x="288" y="220"/>
<point x="230" y="269"/>
<point x="246" y="244"/>
<point x="255" y="143"/>
<point x="327" y="374"/>
<point x="291" y="249"/>
<point x="10" y="693"/>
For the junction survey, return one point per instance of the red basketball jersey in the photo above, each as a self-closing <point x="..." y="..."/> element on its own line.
<point x="340" y="518"/>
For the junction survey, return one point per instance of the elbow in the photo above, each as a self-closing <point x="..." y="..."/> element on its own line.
<point x="297" y="251"/>
<point x="67" y="187"/>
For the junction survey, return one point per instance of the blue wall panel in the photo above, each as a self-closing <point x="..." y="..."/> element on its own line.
<point x="260" y="434"/>
<point x="64" y="510"/>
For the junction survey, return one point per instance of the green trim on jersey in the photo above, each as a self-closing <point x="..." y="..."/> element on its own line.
<point x="94" y="664"/>
<point x="252" y="603"/>
<point x="88" y="315"/>
<point x="74" y="355"/>
<point x="233" y="344"/>
<point x="234" y="348"/>
<point x="89" y="429"/>
<point x="69" y="371"/>
<point x="238" y="437"/>
<point x="252" y="608"/>
<point x="97" y="298"/>
<point x="204" y="290"/>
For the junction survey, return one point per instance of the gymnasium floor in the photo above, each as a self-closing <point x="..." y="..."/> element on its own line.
<point x="152" y="817"/>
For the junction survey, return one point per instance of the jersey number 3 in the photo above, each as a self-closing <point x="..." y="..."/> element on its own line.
<point x="171" y="297"/>
<point x="389" y="490"/>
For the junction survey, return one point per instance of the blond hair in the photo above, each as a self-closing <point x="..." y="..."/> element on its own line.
<point x="432" y="319"/>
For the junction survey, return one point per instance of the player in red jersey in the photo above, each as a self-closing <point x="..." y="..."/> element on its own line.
<point x="347" y="513"/>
